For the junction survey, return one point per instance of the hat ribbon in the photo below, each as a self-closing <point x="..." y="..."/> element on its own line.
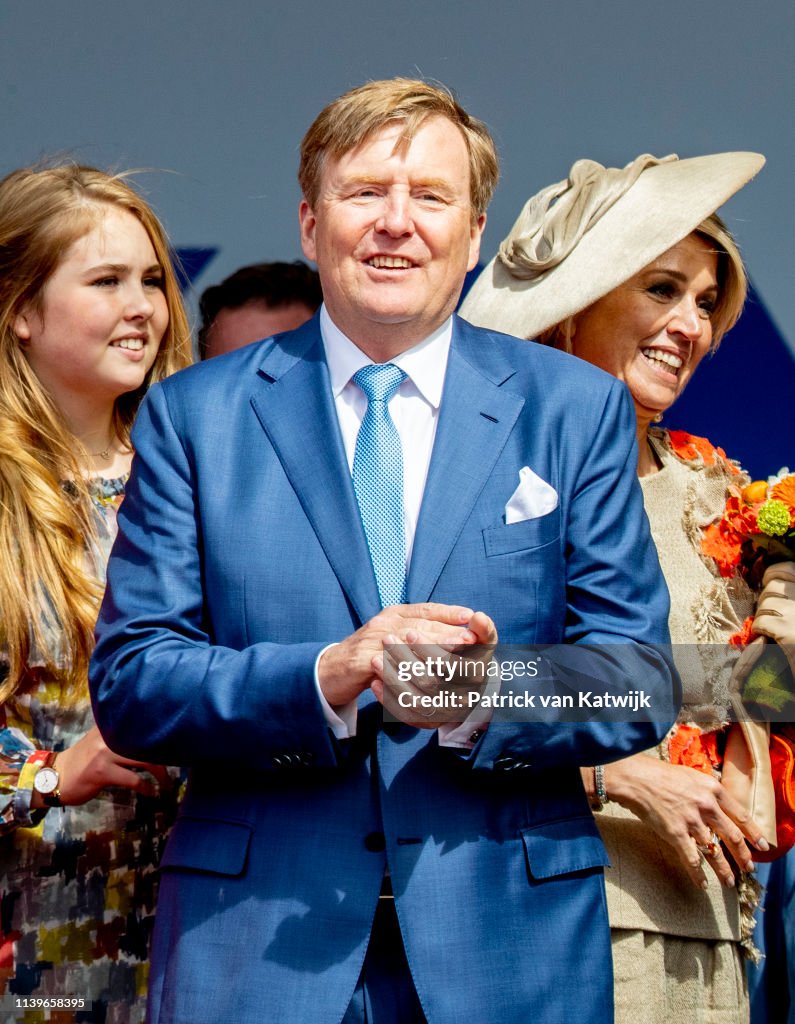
<point x="553" y="221"/>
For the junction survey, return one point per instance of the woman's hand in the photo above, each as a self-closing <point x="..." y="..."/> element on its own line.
<point x="775" y="609"/>
<point x="684" y="807"/>
<point x="89" y="766"/>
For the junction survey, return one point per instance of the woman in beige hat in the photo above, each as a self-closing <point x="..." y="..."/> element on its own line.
<point x="632" y="270"/>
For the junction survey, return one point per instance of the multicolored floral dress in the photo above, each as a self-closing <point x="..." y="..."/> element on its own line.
<point x="78" y="884"/>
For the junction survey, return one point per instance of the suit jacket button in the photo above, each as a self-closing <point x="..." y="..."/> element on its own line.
<point x="277" y="761"/>
<point x="375" y="842"/>
<point x="504" y="763"/>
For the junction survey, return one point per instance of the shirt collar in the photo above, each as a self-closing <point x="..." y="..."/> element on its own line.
<point x="425" y="364"/>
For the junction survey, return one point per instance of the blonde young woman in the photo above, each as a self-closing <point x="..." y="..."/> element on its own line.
<point x="90" y="315"/>
<point x="632" y="270"/>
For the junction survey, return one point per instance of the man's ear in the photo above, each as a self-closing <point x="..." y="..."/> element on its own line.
<point x="308" y="222"/>
<point x="475" y="235"/>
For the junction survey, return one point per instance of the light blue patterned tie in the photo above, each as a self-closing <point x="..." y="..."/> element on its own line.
<point x="378" y="481"/>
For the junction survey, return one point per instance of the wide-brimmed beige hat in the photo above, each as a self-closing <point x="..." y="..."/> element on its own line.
<point x="577" y="240"/>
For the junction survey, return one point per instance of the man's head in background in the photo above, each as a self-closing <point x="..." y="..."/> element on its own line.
<point x="256" y="302"/>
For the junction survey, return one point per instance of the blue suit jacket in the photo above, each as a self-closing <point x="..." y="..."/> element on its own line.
<point x="240" y="555"/>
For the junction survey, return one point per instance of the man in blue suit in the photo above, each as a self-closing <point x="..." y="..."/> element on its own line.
<point x="284" y="522"/>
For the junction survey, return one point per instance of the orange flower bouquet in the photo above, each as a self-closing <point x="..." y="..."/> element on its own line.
<point x="756" y="529"/>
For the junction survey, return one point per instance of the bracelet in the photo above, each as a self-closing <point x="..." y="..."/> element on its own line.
<point x="600" y="793"/>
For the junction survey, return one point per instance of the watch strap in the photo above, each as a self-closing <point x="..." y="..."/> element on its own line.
<point x="52" y="799"/>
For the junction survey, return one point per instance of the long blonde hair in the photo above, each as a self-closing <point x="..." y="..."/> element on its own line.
<point x="45" y="580"/>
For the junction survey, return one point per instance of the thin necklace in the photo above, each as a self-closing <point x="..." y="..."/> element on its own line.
<point x="105" y="453"/>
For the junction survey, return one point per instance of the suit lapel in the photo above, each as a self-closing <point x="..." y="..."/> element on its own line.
<point x="294" y="404"/>
<point x="295" y="407"/>
<point x="476" y="417"/>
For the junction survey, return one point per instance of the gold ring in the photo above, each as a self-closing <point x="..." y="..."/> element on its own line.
<point x="710" y="848"/>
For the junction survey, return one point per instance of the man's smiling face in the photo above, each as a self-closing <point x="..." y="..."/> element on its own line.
<point x="393" y="234"/>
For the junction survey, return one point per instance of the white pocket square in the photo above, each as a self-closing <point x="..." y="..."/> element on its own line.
<point x="533" y="497"/>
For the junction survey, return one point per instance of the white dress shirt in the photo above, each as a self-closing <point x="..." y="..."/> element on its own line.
<point x="414" y="409"/>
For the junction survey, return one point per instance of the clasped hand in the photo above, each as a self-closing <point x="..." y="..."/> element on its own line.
<point x="406" y="635"/>
<point x="428" y="685"/>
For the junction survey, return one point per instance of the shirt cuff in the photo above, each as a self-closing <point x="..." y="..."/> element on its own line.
<point x="342" y="720"/>
<point x="464" y="735"/>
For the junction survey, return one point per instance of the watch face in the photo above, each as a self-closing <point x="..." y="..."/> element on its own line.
<point x="46" y="780"/>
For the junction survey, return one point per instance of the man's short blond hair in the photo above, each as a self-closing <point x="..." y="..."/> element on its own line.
<point x="357" y="115"/>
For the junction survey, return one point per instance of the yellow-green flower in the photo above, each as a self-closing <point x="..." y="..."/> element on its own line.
<point x="773" y="518"/>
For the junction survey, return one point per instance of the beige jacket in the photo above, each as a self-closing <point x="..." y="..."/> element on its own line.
<point x="646" y="886"/>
